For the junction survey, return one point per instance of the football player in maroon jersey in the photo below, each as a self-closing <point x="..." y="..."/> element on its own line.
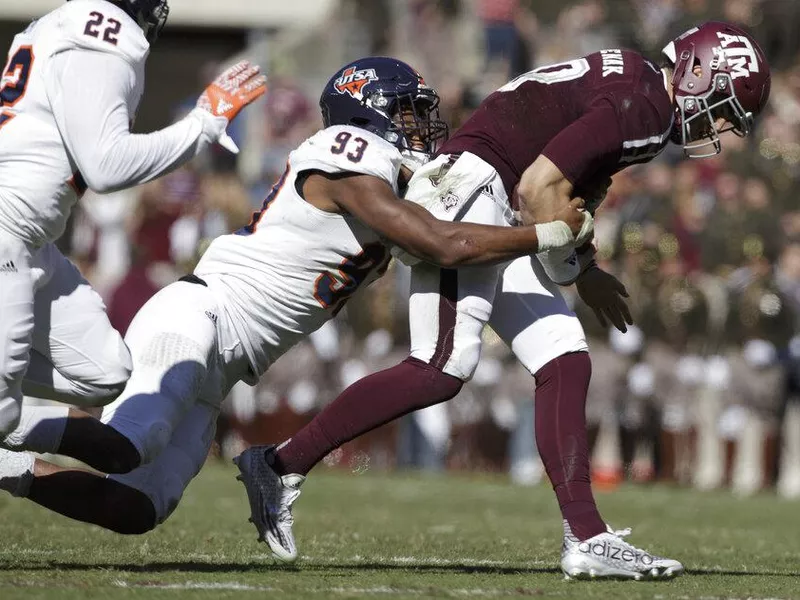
<point x="547" y="136"/>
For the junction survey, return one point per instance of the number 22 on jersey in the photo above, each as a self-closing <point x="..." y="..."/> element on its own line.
<point x="14" y="81"/>
<point x="18" y="70"/>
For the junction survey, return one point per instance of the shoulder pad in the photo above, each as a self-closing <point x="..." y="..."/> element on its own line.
<point x="99" y="26"/>
<point x="344" y="148"/>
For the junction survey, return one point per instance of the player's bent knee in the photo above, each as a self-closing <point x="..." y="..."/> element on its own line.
<point x="156" y="439"/>
<point x="148" y="438"/>
<point x="95" y="396"/>
<point x="138" y="515"/>
<point x="460" y="364"/>
<point x="164" y="481"/>
<point x="109" y="378"/>
<point x="568" y="339"/>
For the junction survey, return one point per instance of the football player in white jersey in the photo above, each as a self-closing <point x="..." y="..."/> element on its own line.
<point x="322" y="232"/>
<point x="68" y="94"/>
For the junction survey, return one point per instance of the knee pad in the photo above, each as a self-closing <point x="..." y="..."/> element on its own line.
<point x="10" y="411"/>
<point x="156" y="440"/>
<point x="170" y="372"/>
<point x="150" y="438"/>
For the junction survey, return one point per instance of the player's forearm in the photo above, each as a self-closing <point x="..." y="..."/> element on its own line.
<point x="539" y="205"/>
<point x="125" y="160"/>
<point x="449" y="244"/>
<point x="543" y="191"/>
<point x="470" y="244"/>
<point x="94" y="117"/>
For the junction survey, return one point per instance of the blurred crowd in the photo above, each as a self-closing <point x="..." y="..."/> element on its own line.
<point x="702" y="391"/>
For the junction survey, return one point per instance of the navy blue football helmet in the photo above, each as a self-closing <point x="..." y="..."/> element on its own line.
<point x="390" y="99"/>
<point x="151" y="15"/>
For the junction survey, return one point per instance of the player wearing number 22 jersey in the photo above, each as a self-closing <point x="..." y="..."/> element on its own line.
<point x="321" y="233"/>
<point x="69" y="92"/>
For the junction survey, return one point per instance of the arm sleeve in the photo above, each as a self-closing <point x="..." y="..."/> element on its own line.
<point x="87" y="92"/>
<point x="588" y="145"/>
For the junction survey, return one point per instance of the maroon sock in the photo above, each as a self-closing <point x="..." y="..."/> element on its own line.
<point x="364" y="406"/>
<point x="561" y="387"/>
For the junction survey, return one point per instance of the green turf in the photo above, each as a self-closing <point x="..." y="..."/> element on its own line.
<point x="398" y="537"/>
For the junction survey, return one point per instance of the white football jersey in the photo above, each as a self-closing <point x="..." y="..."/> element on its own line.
<point x="39" y="180"/>
<point x="294" y="266"/>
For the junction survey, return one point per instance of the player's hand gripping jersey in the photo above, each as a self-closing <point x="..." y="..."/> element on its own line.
<point x="69" y="92"/>
<point x="294" y="266"/>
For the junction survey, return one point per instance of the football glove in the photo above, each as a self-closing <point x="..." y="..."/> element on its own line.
<point x="229" y="93"/>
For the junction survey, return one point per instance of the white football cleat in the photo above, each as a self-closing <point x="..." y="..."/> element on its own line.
<point x="271" y="497"/>
<point x="609" y="556"/>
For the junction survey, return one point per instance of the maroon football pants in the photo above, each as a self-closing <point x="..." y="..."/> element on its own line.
<point x="412" y="385"/>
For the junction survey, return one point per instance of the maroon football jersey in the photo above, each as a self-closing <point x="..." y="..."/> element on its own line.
<point x="591" y="116"/>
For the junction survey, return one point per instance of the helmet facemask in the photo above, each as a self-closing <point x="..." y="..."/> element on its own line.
<point x="697" y="118"/>
<point x="416" y="128"/>
<point x="720" y="81"/>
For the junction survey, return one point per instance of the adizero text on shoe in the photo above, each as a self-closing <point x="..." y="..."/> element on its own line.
<point x="607" y="555"/>
<point x="271" y="497"/>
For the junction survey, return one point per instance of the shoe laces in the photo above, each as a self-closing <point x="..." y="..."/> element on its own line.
<point x="623" y="533"/>
<point x="620" y="533"/>
<point x="287" y="497"/>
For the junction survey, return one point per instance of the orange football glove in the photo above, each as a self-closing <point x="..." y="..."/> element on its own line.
<point x="237" y="87"/>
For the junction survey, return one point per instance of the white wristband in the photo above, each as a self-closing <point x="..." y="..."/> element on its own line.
<point x="213" y="126"/>
<point x="554" y="235"/>
<point x="560" y="265"/>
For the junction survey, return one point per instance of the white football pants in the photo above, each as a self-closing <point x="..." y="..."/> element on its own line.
<point x="55" y="338"/>
<point x="185" y="361"/>
<point x="449" y="308"/>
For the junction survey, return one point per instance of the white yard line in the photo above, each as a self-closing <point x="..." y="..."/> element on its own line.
<point x="373" y="591"/>
<point x="392" y="591"/>
<point x="198" y="585"/>
<point x="428" y="560"/>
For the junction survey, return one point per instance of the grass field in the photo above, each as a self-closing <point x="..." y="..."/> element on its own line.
<point x="381" y="536"/>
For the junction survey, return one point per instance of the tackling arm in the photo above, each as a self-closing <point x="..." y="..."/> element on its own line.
<point x="419" y="233"/>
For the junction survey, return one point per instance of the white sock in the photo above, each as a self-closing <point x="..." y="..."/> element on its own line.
<point x="16" y="472"/>
<point x="567" y="528"/>
<point x="40" y="429"/>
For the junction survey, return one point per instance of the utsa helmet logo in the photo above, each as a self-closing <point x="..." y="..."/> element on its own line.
<point x="352" y="80"/>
